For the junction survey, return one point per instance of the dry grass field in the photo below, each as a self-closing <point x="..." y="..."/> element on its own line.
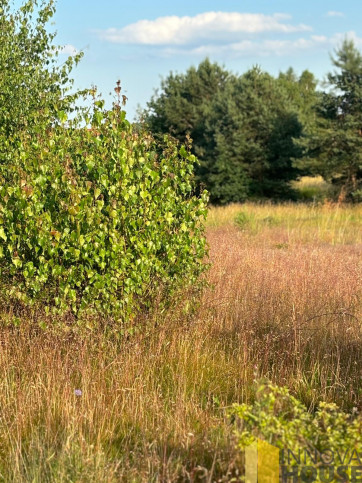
<point x="284" y="302"/>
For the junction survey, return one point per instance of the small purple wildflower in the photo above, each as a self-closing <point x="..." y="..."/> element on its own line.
<point x="77" y="392"/>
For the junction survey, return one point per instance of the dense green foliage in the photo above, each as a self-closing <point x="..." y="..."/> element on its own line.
<point x="255" y="127"/>
<point x="243" y="127"/>
<point x="301" y="93"/>
<point x="334" y="147"/>
<point x="34" y="85"/>
<point x="94" y="215"/>
<point x="186" y="107"/>
<point x="97" y="218"/>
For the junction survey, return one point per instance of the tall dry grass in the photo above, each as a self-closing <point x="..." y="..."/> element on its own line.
<point x="284" y="303"/>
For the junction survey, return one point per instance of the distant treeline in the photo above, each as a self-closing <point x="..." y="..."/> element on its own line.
<point x="254" y="134"/>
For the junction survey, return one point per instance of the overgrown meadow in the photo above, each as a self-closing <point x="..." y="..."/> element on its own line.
<point x="145" y="335"/>
<point x="283" y="302"/>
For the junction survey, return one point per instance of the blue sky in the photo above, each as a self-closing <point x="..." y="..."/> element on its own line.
<point x="139" y="42"/>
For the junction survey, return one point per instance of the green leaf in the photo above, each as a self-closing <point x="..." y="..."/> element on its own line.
<point x="17" y="262"/>
<point x="62" y="116"/>
<point x="183" y="152"/>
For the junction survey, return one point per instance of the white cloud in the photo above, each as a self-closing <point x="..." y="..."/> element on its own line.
<point x="209" y="26"/>
<point x="260" y="48"/>
<point x="68" y="49"/>
<point x="334" y="13"/>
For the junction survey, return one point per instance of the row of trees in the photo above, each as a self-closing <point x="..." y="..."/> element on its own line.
<point x="255" y="133"/>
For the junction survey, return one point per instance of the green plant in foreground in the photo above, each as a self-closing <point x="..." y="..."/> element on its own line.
<point x="94" y="216"/>
<point x="99" y="219"/>
<point x="281" y="420"/>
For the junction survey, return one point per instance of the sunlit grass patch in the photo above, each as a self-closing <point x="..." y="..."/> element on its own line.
<point x="312" y="188"/>
<point x="329" y="223"/>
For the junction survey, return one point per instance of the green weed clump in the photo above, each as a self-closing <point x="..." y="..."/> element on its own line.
<point x="98" y="219"/>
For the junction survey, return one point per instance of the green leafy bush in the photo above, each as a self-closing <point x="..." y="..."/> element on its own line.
<point x="281" y="420"/>
<point x="100" y="218"/>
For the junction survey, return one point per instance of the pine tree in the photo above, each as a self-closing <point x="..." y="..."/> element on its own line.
<point x="335" y="147"/>
<point x="255" y="133"/>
